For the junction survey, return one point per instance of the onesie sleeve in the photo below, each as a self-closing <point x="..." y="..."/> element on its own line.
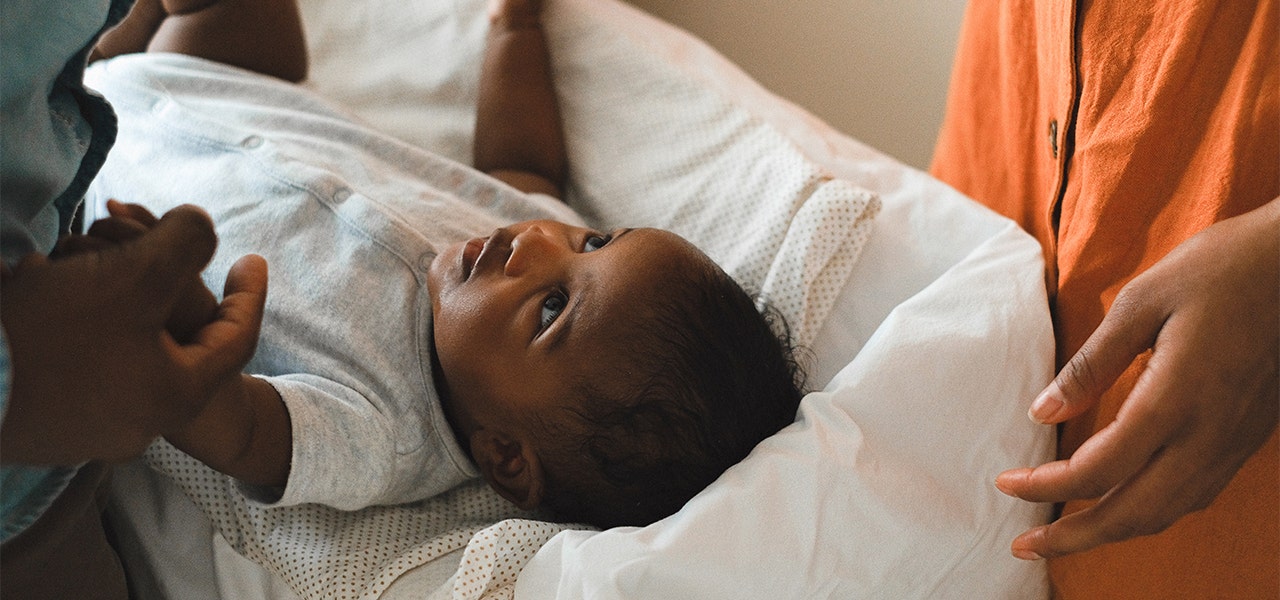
<point x="345" y="451"/>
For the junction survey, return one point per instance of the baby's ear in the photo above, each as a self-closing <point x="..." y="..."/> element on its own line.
<point x="510" y="465"/>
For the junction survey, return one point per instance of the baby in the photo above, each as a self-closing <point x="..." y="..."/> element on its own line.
<point x="605" y="377"/>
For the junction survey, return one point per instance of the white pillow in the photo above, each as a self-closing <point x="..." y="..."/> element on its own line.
<point x="649" y="143"/>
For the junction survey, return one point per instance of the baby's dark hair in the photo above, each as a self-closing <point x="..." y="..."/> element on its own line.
<point x="707" y="376"/>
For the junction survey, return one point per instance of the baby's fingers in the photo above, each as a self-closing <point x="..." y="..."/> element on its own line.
<point x="223" y="347"/>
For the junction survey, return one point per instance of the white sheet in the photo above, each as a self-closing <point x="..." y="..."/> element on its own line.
<point x="930" y="346"/>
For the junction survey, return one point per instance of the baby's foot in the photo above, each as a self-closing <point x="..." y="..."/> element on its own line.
<point x="515" y="14"/>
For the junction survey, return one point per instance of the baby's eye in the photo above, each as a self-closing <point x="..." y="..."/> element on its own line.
<point x="551" y="308"/>
<point x="595" y="242"/>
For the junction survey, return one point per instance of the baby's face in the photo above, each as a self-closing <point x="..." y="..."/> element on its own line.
<point x="537" y="307"/>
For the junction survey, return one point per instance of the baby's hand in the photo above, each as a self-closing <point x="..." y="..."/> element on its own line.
<point x="515" y="14"/>
<point x="195" y="307"/>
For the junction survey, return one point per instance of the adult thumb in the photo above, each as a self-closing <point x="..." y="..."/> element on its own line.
<point x="1129" y="329"/>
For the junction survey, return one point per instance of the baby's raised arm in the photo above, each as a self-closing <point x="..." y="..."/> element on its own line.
<point x="518" y="136"/>
<point x="260" y="35"/>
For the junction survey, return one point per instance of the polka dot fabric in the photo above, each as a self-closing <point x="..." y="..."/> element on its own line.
<point x="817" y="255"/>
<point x="325" y="553"/>
<point x="496" y="555"/>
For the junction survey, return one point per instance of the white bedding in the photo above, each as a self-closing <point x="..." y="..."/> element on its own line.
<point x="927" y="328"/>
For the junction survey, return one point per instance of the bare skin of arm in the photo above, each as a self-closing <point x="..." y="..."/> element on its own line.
<point x="518" y="136"/>
<point x="1206" y="402"/>
<point x="259" y="35"/>
<point x="243" y="432"/>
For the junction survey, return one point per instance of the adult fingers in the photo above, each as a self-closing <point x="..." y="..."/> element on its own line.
<point x="194" y="309"/>
<point x="137" y="212"/>
<point x="117" y="229"/>
<point x="1150" y="418"/>
<point x="70" y="245"/>
<point x="1173" y="447"/>
<point x="1102" y="462"/>
<point x="29" y="261"/>
<point x="8" y="273"/>
<point x="1128" y="329"/>
<point x="177" y="248"/>
<point x="1147" y="504"/>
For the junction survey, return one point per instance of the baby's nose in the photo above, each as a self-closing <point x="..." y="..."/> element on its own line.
<point x="530" y="248"/>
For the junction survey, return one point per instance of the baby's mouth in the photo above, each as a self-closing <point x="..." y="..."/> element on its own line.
<point x="471" y="254"/>
<point x="486" y="253"/>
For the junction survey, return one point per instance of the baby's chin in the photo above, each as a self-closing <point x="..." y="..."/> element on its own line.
<point x="444" y="273"/>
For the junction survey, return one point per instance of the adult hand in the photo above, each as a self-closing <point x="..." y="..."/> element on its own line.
<point x="195" y="307"/>
<point x="95" y="374"/>
<point x="1206" y="401"/>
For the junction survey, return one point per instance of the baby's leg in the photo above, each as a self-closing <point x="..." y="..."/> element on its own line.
<point x="259" y="35"/>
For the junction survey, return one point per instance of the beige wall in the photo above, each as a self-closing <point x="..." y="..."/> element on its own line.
<point x="875" y="69"/>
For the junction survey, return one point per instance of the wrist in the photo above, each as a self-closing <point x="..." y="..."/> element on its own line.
<point x="230" y="398"/>
<point x="515" y="23"/>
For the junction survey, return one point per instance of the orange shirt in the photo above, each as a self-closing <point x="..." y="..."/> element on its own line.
<point x="1113" y="131"/>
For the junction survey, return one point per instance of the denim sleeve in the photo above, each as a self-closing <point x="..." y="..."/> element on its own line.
<point x="6" y="375"/>
<point x="55" y="138"/>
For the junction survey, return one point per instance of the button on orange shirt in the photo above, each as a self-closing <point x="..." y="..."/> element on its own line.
<point x="1113" y="131"/>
